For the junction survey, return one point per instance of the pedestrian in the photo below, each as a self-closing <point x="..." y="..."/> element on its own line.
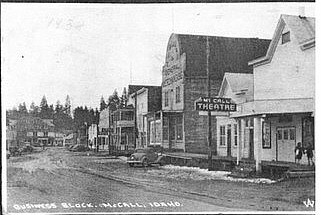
<point x="309" y="152"/>
<point x="298" y="152"/>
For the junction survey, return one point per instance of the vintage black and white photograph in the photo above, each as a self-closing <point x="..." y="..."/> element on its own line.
<point x="158" y="108"/>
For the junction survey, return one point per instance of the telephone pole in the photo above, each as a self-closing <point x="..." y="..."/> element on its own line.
<point x="209" y="135"/>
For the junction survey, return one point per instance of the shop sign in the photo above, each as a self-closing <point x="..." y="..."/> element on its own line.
<point x="172" y="79"/>
<point x="215" y="104"/>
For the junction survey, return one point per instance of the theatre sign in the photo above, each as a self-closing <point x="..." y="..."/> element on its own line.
<point x="215" y="104"/>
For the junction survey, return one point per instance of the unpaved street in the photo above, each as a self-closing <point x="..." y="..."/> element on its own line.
<point x="56" y="180"/>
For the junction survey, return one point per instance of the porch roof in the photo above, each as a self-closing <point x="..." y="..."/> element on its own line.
<point x="274" y="106"/>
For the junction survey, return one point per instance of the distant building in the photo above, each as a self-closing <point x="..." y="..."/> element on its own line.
<point x="123" y="130"/>
<point x="92" y="136"/>
<point x="105" y="128"/>
<point x="30" y="130"/>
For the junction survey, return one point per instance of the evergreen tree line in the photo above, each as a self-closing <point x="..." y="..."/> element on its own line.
<point x="84" y="116"/>
<point x="114" y="101"/>
<point x="60" y="114"/>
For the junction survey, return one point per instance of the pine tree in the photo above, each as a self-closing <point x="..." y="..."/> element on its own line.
<point x="44" y="108"/>
<point x="114" y="101"/>
<point x="34" y="109"/>
<point x="68" y="106"/>
<point x="103" y="104"/>
<point x="123" y="98"/>
<point x="23" y="109"/>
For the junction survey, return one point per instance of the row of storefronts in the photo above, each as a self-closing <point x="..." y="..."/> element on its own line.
<point x="271" y="81"/>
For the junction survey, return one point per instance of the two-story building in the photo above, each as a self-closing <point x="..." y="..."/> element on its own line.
<point x="31" y="130"/>
<point x="280" y="110"/>
<point x="184" y="80"/>
<point x="93" y="136"/>
<point x="147" y="101"/>
<point x="105" y="129"/>
<point x="123" y="134"/>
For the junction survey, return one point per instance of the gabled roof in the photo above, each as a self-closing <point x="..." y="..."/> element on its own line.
<point x="134" y="88"/>
<point x="227" y="54"/>
<point x="303" y="28"/>
<point x="240" y="83"/>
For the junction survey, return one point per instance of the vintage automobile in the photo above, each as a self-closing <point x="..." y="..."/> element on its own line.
<point x="79" y="148"/>
<point x="146" y="156"/>
<point x="15" y="151"/>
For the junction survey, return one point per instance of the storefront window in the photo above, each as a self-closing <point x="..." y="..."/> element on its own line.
<point x="222" y="135"/>
<point x="179" y="128"/>
<point x="165" y="128"/>
<point x="235" y="135"/>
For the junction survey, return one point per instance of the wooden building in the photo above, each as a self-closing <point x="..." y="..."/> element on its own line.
<point x="147" y="101"/>
<point x="31" y="130"/>
<point x="184" y="80"/>
<point x="281" y="113"/>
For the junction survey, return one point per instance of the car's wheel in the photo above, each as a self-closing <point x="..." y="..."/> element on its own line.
<point x="145" y="162"/>
<point x="131" y="164"/>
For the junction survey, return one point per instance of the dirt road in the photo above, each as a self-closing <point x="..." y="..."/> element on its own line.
<point x="60" y="181"/>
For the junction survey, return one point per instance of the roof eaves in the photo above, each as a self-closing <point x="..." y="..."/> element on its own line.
<point x="272" y="47"/>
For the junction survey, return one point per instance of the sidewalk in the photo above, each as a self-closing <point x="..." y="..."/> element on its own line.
<point x="185" y="155"/>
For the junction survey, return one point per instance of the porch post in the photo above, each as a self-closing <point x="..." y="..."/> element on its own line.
<point x="258" y="142"/>
<point x="242" y="139"/>
<point x="161" y="132"/>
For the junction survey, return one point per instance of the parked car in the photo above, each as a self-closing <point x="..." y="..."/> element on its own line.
<point x="15" y="151"/>
<point x="27" y="148"/>
<point x="79" y="148"/>
<point x="146" y="156"/>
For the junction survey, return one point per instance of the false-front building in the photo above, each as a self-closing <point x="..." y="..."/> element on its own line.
<point x="184" y="80"/>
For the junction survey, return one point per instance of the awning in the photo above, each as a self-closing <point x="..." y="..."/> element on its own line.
<point x="275" y="106"/>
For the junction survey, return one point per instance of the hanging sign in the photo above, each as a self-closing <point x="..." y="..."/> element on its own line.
<point x="215" y="104"/>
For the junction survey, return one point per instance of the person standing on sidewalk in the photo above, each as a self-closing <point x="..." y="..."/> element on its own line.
<point x="298" y="152"/>
<point x="309" y="152"/>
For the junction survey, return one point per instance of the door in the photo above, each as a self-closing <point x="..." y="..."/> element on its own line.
<point x="286" y="144"/>
<point x="229" y="140"/>
<point x="251" y="143"/>
<point x="171" y="132"/>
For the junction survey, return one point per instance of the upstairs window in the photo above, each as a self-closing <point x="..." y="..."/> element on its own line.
<point x="166" y="99"/>
<point x="178" y="94"/>
<point x="286" y="37"/>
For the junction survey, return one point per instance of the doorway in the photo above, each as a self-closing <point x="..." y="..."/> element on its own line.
<point x="285" y="144"/>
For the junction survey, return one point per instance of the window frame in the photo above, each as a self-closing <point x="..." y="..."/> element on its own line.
<point x="235" y="135"/>
<point x="222" y="135"/>
<point x="178" y="94"/>
<point x="166" y="98"/>
<point x="286" y="37"/>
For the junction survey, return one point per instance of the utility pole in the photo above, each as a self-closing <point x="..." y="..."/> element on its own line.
<point x="209" y="135"/>
<point x="135" y="121"/>
<point x="97" y="140"/>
